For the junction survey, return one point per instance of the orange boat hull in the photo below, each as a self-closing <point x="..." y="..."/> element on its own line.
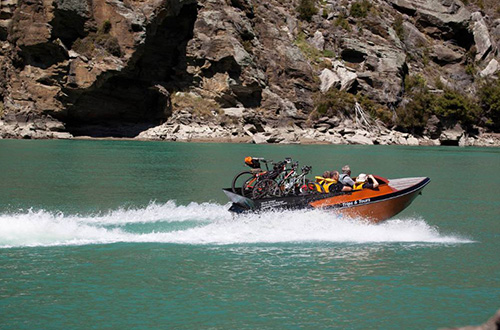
<point x="377" y="211"/>
<point x="375" y="205"/>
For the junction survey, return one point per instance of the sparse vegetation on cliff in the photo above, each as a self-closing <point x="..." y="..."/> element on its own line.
<point x="312" y="53"/>
<point x="195" y="104"/>
<point x="101" y="39"/>
<point x="307" y="9"/>
<point x="398" y="26"/>
<point x="451" y="105"/>
<point x="342" y="22"/>
<point x="360" y="9"/>
<point x="489" y="96"/>
<point x="335" y="102"/>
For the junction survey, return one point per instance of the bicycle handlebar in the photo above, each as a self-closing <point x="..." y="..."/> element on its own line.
<point x="262" y="160"/>
<point x="306" y="169"/>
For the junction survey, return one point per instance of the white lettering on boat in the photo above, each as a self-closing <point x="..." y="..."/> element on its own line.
<point x="270" y="204"/>
<point x="354" y="203"/>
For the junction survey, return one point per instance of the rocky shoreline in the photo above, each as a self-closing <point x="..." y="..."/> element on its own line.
<point x="182" y="127"/>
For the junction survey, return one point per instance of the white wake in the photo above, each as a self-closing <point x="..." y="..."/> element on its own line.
<point x="206" y="223"/>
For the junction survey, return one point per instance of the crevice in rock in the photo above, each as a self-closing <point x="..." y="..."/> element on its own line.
<point x="137" y="97"/>
<point x="226" y="64"/>
<point x="68" y="26"/>
<point x="250" y="96"/>
<point x="453" y="143"/>
<point x="463" y="38"/>
<point x="405" y="10"/>
<point x="245" y="6"/>
<point x="353" y="56"/>
<point x="43" y="55"/>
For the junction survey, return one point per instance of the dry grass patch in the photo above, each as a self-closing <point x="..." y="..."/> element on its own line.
<point x="195" y="104"/>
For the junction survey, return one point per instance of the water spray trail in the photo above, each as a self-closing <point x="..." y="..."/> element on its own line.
<point x="206" y="223"/>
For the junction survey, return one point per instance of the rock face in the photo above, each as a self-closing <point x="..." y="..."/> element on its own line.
<point x="114" y="67"/>
<point x="96" y="63"/>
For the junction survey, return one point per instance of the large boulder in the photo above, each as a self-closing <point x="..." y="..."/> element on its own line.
<point x="379" y="67"/>
<point x="481" y="36"/>
<point x="441" y="19"/>
<point x="444" y="55"/>
<point x="413" y="38"/>
<point x="452" y="136"/>
<point x="490" y="69"/>
<point x="218" y="46"/>
<point x="339" y="77"/>
<point x="318" y="41"/>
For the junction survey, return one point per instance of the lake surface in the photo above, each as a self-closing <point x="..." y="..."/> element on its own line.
<point x="136" y="235"/>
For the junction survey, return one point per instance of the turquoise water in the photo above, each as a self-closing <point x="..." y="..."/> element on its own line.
<point x="135" y="235"/>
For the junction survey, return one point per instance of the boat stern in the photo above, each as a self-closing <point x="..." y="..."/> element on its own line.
<point x="240" y="203"/>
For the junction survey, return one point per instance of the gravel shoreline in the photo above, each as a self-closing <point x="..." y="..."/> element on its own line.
<point x="195" y="132"/>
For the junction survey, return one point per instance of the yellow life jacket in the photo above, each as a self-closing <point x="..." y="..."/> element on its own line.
<point x="358" y="186"/>
<point x="324" y="183"/>
<point x="319" y="179"/>
<point x="327" y="183"/>
<point x="319" y="183"/>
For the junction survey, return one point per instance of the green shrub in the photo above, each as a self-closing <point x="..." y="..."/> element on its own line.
<point x="415" y="83"/>
<point x="426" y="56"/>
<point x="489" y="97"/>
<point x="343" y="23"/>
<point x="197" y="105"/>
<point x="328" y="53"/>
<point x="247" y="45"/>
<point x="470" y="69"/>
<point x="85" y="46"/>
<point x="438" y="83"/>
<point x="375" y="110"/>
<point x="398" y="27"/>
<point x="335" y="101"/>
<point x="307" y="9"/>
<point x="456" y="106"/>
<point x="451" y="105"/>
<point x="413" y="116"/>
<point x="360" y="9"/>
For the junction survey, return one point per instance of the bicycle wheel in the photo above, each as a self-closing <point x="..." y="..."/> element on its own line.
<point x="248" y="185"/>
<point x="265" y="188"/>
<point x="239" y="181"/>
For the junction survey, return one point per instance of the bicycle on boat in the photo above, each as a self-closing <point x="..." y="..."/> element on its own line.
<point x="245" y="181"/>
<point x="288" y="183"/>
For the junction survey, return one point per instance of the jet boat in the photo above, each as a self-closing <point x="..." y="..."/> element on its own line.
<point x="388" y="199"/>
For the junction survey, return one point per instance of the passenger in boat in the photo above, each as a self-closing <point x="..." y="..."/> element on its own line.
<point x="338" y="185"/>
<point x="345" y="177"/>
<point x="362" y="182"/>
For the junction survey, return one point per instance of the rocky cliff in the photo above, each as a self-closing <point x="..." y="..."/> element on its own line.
<point x="247" y="69"/>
